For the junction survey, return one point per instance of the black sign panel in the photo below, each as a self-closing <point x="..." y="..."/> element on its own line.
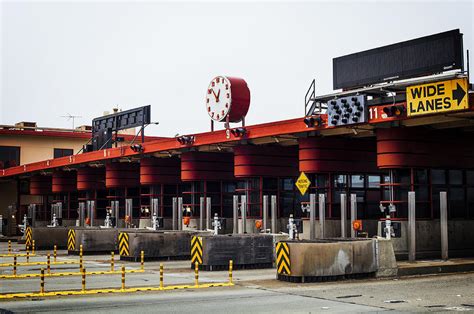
<point x="413" y="58"/>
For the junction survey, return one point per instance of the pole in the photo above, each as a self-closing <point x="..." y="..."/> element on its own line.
<point x="243" y="213"/>
<point x="231" y="264"/>
<point x="14" y="265"/>
<point x="411" y="227"/>
<point x="27" y="256"/>
<point x="443" y="218"/>
<point x="208" y="213"/>
<point x="112" y="261"/>
<point x="236" y="214"/>
<point x="265" y="212"/>
<point x="174" y="213"/>
<point x="180" y="213"/>
<point x="83" y="280"/>
<point x="48" y="262"/>
<point x="42" y="281"/>
<point x="142" y="260"/>
<point x="81" y="266"/>
<point x="201" y="213"/>
<point x="161" y="276"/>
<point x="322" y="215"/>
<point x="312" y="218"/>
<point x="33" y="248"/>
<point x="343" y="215"/>
<point x="196" y="274"/>
<point x="54" y="254"/>
<point x="273" y="206"/>
<point x="9" y="246"/>
<point x="123" y="277"/>
<point x="353" y="213"/>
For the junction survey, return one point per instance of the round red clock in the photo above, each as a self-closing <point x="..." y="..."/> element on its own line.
<point x="227" y="97"/>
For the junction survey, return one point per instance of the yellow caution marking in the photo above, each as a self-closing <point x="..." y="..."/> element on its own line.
<point x="28" y="237"/>
<point x="283" y="258"/>
<point x="112" y="290"/>
<point x="71" y="240"/>
<point x="124" y="248"/>
<point x="196" y="250"/>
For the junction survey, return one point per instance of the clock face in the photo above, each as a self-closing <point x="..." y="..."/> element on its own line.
<point x="218" y="98"/>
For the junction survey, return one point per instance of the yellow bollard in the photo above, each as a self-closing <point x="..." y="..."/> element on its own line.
<point x="196" y="274"/>
<point x="83" y="280"/>
<point x="123" y="277"/>
<point x="161" y="276"/>
<point x="81" y="263"/>
<point x="27" y="248"/>
<point x="112" y="266"/>
<point x="42" y="281"/>
<point x="80" y="250"/>
<point x="231" y="264"/>
<point x="33" y="248"/>
<point x="142" y="260"/>
<point x="48" y="263"/>
<point x="27" y="256"/>
<point x="9" y="246"/>
<point x="54" y="253"/>
<point x="14" y="265"/>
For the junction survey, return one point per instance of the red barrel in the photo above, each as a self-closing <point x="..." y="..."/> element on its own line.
<point x="196" y="166"/>
<point x="332" y="154"/>
<point x="89" y="178"/>
<point x="40" y="185"/>
<point x="265" y="161"/>
<point x="122" y="175"/>
<point x="64" y="181"/>
<point x="154" y="171"/>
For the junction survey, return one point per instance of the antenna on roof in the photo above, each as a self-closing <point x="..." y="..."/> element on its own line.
<point x="71" y="117"/>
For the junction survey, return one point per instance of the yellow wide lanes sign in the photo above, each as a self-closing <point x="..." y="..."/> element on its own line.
<point x="437" y="97"/>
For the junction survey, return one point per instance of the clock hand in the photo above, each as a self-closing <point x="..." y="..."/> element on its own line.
<point x="217" y="97"/>
<point x="218" y="94"/>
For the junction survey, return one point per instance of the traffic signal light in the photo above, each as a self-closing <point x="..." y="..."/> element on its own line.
<point x="313" y="121"/>
<point x="185" y="139"/>
<point x="137" y="148"/>
<point x="394" y="111"/>
<point x="238" y="132"/>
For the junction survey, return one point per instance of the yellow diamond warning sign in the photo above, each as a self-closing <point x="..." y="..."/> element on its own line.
<point x="303" y="183"/>
<point x="437" y="97"/>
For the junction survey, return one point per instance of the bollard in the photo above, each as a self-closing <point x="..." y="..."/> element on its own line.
<point x="231" y="264"/>
<point x="27" y="248"/>
<point x="196" y="274"/>
<point x="42" y="281"/>
<point x="14" y="265"/>
<point x="49" y="263"/>
<point x="80" y="250"/>
<point x="123" y="277"/>
<point x="161" y="276"/>
<point x="9" y="246"/>
<point x="81" y="265"/>
<point x="55" y="253"/>
<point x="27" y="256"/>
<point x="83" y="280"/>
<point x="112" y="266"/>
<point x="142" y="260"/>
<point x="33" y="248"/>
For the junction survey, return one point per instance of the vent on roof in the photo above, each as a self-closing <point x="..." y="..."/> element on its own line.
<point x="25" y="124"/>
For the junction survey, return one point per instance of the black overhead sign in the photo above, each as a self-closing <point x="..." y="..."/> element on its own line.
<point x="413" y="58"/>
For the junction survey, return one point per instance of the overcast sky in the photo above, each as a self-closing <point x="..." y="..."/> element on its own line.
<point x="84" y="58"/>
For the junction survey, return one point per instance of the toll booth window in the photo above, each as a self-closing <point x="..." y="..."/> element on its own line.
<point x="340" y="181"/>
<point x="455" y="177"/>
<point x="420" y="176"/>
<point x="373" y="182"/>
<point x="438" y="176"/>
<point x="62" y="152"/>
<point x="9" y="156"/>
<point x="357" y="181"/>
<point x="456" y="206"/>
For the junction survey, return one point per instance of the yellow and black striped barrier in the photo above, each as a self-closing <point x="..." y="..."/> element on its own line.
<point x="40" y="263"/>
<point x="66" y="274"/>
<point x="17" y="255"/>
<point x="196" y="250"/>
<point x="124" y="247"/>
<point x="283" y="258"/>
<point x="71" y="240"/>
<point x="28" y="237"/>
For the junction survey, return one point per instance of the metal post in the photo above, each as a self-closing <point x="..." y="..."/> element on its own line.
<point x="265" y="212"/>
<point x="208" y="213"/>
<point x="83" y="280"/>
<point x="33" y="248"/>
<point x="196" y="274"/>
<point x="353" y="213"/>
<point x="273" y="207"/>
<point x="14" y="265"/>
<point x="55" y="253"/>
<point x="123" y="277"/>
<point x="27" y="256"/>
<point x="48" y="263"/>
<point x="312" y="218"/>
<point x="42" y="281"/>
<point x="230" y="271"/>
<point x="161" y="276"/>
<point x="411" y="226"/>
<point x="129" y="212"/>
<point x="174" y="213"/>
<point x="142" y="260"/>
<point x="236" y="214"/>
<point x="443" y="217"/>
<point x="201" y="213"/>
<point x="81" y="212"/>
<point x="112" y="261"/>
<point x="180" y="213"/>
<point x="9" y="247"/>
<point x="243" y="212"/>
<point x="343" y="215"/>
<point x="322" y="215"/>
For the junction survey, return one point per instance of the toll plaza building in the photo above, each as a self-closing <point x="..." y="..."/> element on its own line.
<point x="391" y="161"/>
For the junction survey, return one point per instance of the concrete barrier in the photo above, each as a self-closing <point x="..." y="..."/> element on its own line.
<point x="46" y="238"/>
<point x="94" y="240"/>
